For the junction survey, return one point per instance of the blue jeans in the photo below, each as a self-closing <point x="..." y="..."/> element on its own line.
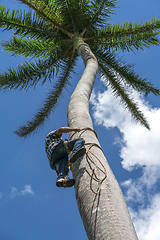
<point x="59" y="161"/>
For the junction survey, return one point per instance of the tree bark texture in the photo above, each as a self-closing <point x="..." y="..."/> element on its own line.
<point x="104" y="215"/>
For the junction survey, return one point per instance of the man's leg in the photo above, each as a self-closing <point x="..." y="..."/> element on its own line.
<point x="61" y="167"/>
<point x="58" y="153"/>
<point x="59" y="163"/>
<point x="76" y="146"/>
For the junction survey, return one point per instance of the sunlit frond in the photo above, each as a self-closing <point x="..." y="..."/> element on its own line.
<point x="51" y="100"/>
<point x="128" y="36"/>
<point x="102" y="11"/>
<point x="29" y="47"/>
<point x="49" y="12"/>
<point x="126" y="73"/>
<point x="48" y="33"/>
<point x="29" y="74"/>
<point x="25" y="23"/>
<point x="113" y="80"/>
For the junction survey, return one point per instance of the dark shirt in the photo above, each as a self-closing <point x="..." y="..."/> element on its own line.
<point x="51" y="141"/>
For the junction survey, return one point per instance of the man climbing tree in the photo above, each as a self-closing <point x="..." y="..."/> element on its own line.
<point x="57" y="152"/>
<point x="56" y="33"/>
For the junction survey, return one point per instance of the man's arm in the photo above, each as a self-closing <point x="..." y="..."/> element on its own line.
<point x="66" y="130"/>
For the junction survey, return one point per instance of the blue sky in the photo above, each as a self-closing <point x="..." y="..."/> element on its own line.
<point x="31" y="207"/>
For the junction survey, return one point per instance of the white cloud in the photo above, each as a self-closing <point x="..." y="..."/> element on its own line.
<point x="139" y="148"/>
<point x="14" y="192"/>
<point x="142" y="146"/>
<point x="134" y="191"/>
<point x="147" y="220"/>
<point x="27" y="190"/>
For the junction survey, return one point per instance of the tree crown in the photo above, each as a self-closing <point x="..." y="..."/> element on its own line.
<point x="52" y="30"/>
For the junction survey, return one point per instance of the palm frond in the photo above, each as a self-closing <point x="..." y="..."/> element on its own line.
<point x="126" y="29"/>
<point x="70" y="15"/>
<point x="103" y="4"/>
<point x="127" y="73"/>
<point x="127" y="36"/>
<point x="29" y="74"/>
<point x="114" y="81"/>
<point x="80" y="13"/>
<point x="48" y="32"/>
<point x="25" y="23"/>
<point x="140" y="41"/>
<point x="51" y="100"/>
<point x="75" y="13"/>
<point x="29" y="47"/>
<point x="49" y="12"/>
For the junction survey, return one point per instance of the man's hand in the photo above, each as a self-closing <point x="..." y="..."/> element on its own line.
<point x="66" y="130"/>
<point x="76" y="129"/>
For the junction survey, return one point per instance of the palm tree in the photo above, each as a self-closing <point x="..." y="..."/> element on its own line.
<point x="53" y="33"/>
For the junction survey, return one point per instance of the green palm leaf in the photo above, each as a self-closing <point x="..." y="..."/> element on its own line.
<point x="102" y="9"/>
<point x="127" y="74"/>
<point x="118" y="89"/>
<point x="29" y="47"/>
<point x="25" y="23"/>
<point x="45" y="9"/>
<point x="51" y="100"/>
<point x="127" y="36"/>
<point x="52" y="28"/>
<point x="29" y="74"/>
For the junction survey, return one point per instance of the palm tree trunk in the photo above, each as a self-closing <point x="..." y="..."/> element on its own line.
<point x="104" y="215"/>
